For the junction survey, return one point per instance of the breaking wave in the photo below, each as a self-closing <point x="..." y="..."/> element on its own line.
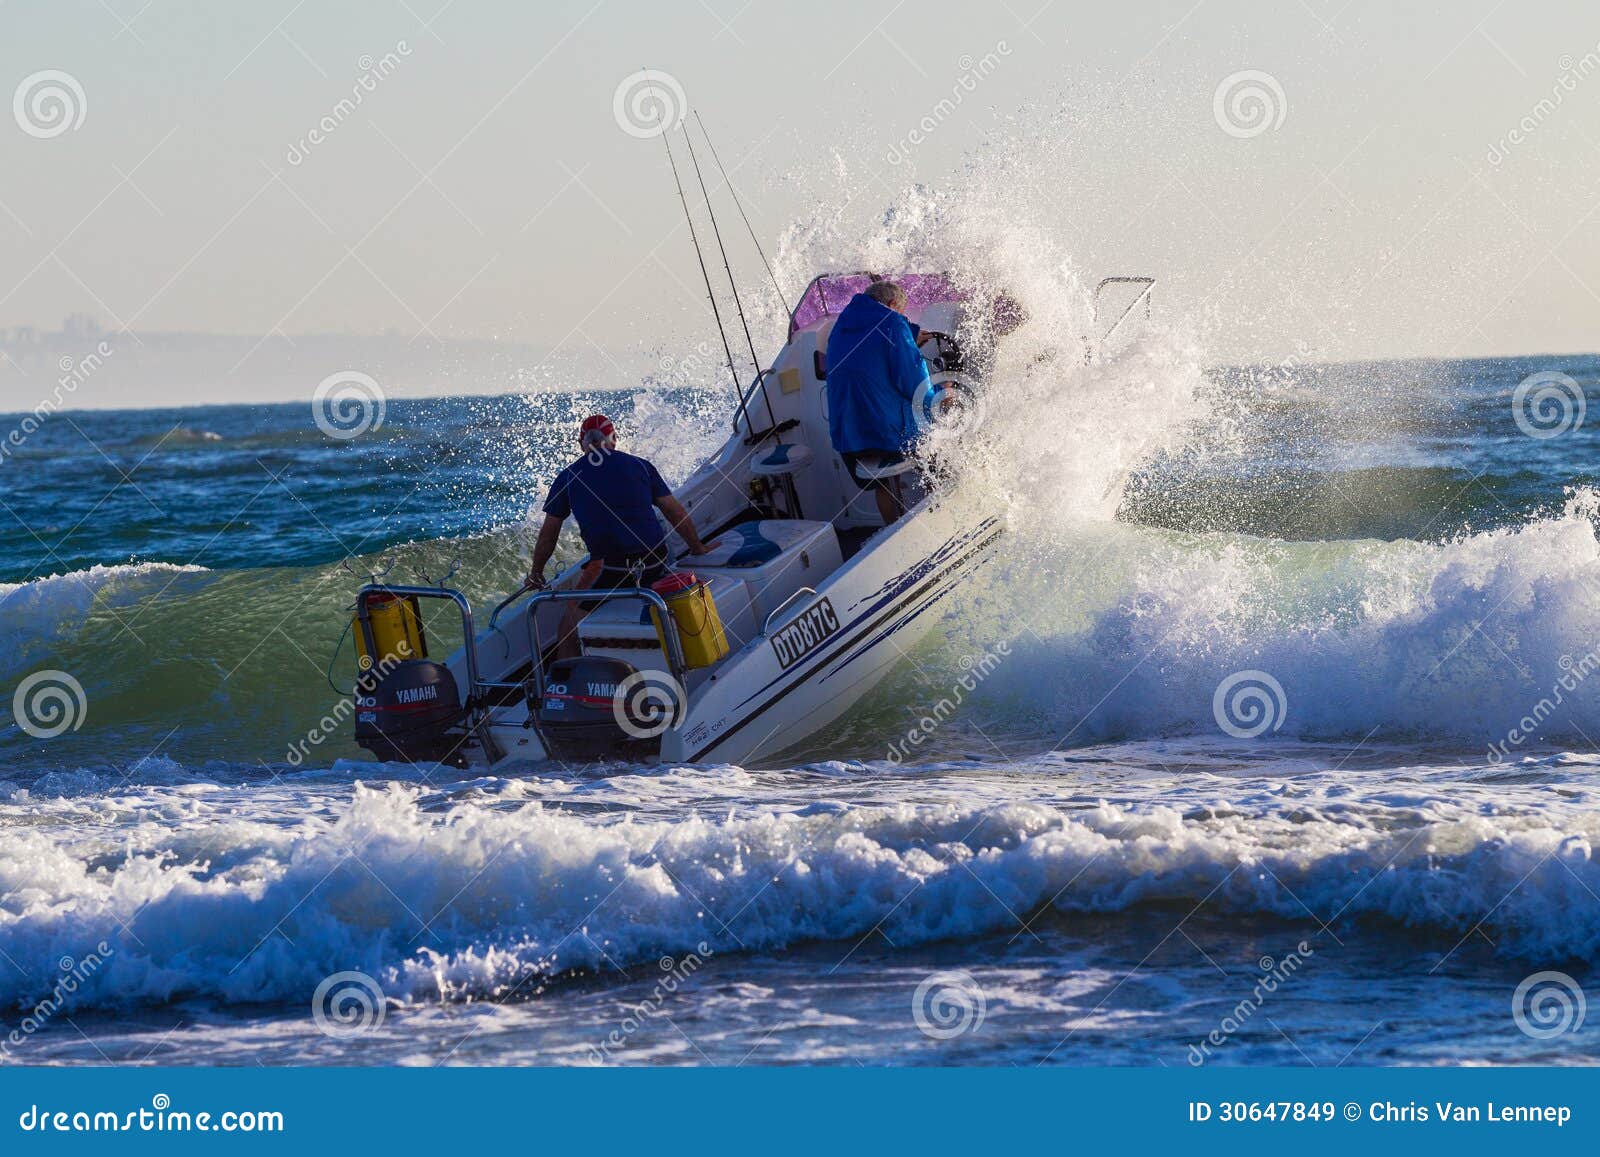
<point x="473" y="901"/>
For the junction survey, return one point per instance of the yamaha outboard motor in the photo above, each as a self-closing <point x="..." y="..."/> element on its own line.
<point x="597" y="708"/>
<point x="410" y="713"/>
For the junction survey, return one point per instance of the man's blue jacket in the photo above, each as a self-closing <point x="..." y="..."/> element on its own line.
<point x="874" y="371"/>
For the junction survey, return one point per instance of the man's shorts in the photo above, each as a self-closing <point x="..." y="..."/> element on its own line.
<point x="628" y="571"/>
<point x="873" y="460"/>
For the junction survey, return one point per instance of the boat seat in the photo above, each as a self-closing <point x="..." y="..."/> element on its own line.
<point x="774" y="557"/>
<point x="783" y="458"/>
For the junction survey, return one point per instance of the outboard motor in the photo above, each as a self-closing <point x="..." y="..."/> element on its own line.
<point x="410" y="712"/>
<point x="595" y="708"/>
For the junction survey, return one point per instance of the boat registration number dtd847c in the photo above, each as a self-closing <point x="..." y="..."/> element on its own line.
<point x="805" y="634"/>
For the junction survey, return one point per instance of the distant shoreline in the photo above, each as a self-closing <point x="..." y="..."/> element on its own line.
<point x="155" y="371"/>
<point x="603" y="380"/>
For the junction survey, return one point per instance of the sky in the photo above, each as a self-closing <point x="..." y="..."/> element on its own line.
<point x="1359" y="179"/>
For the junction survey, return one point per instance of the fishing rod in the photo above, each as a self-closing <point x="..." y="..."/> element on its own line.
<point x="706" y="277"/>
<point x="737" y="204"/>
<point x="738" y="305"/>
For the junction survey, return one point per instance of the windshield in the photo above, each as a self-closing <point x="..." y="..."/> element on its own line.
<point x="832" y="292"/>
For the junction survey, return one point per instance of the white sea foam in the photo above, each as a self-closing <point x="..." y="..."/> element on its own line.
<point x="1121" y="632"/>
<point x="60" y="593"/>
<point x="474" y="901"/>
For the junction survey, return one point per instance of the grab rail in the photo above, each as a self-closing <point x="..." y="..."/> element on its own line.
<point x="669" y="626"/>
<point x="766" y="627"/>
<point x="454" y="596"/>
<point x="494" y="616"/>
<point x="477" y="714"/>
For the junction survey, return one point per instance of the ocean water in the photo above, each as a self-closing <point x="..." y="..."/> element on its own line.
<point x="1230" y="768"/>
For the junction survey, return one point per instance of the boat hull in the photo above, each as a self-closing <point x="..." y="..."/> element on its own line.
<point x="827" y="651"/>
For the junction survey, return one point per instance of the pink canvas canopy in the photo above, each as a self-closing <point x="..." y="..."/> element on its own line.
<point x="832" y="292"/>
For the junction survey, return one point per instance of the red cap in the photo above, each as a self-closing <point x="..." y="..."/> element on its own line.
<point x="597" y="422"/>
<point x="674" y="583"/>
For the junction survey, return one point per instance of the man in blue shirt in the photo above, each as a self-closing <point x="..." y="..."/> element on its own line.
<point x="874" y="373"/>
<point x="615" y="497"/>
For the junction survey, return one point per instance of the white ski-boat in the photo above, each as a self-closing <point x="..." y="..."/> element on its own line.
<point x="817" y="598"/>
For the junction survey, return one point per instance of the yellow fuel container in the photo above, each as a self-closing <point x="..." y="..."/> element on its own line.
<point x="694" y="611"/>
<point x="396" y="630"/>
